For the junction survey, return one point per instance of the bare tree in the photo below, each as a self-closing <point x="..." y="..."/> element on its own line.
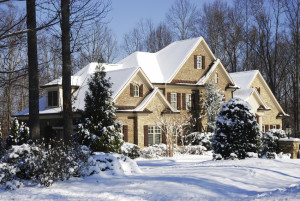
<point x="172" y="127"/>
<point x="182" y="17"/>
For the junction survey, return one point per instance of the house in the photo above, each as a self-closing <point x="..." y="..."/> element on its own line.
<point x="147" y="86"/>
<point x="255" y="90"/>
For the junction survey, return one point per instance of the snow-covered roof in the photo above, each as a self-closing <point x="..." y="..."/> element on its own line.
<point x="244" y="79"/>
<point x="160" y="67"/>
<point x="118" y="76"/>
<point x="243" y="94"/>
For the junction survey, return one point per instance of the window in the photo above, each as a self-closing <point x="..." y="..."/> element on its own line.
<point x="263" y="129"/>
<point x="199" y="62"/>
<point x="154" y="135"/>
<point x="52" y="98"/>
<point x="216" y="78"/>
<point x="136" y="90"/>
<point x="174" y="100"/>
<point x="188" y="101"/>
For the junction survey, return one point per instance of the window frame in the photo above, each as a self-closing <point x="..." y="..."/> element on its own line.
<point x="52" y="98"/>
<point x="174" y="100"/>
<point x="216" y="77"/>
<point x="136" y="90"/>
<point x="188" y="101"/>
<point x="155" y="132"/>
<point x="199" y="62"/>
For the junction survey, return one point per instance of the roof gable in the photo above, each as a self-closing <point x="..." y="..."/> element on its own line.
<point x="216" y="65"/>
<point x="162" y="66"/>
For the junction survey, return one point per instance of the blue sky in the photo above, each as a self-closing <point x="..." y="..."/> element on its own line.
<point x="126" y="14"/>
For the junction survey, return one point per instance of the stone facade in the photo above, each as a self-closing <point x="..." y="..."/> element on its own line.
<point x="290" y="146"/>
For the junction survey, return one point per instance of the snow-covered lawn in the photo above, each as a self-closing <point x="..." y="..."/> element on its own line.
<point x="184" y="177"/>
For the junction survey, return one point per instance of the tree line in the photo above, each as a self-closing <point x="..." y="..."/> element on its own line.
<point x="245" y="35"/>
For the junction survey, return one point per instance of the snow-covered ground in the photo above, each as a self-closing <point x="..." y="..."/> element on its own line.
<point x="184" y="177"/>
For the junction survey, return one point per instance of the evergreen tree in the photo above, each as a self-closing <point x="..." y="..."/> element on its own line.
<point x="236" y="130"/>
<point x="99" y="115"/>
<point x="213" y="103"/>
<point x="11" y="139"/>
<point x="23" y="136"/>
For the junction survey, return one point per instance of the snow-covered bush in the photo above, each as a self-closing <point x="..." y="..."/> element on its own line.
<point x="192" y="149"/>
<point x="197" y="138"/>
<point x="236" y="130"/>
<point x="154" y="151"/>
<point x="111" y="164"/>
<point x="271" y="140"/>
<point x="18" y="134"/>
<point x="130" y="150"/>
<point x="41" y="164"/>
<point x="99" y="115"/>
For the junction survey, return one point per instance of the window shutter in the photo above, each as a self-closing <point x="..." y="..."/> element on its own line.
<point x="164" y="139"/>
<point x="131" y="90"/>
<point x="277" y="126"/>
<point x="146" y="143"/>
<point x="267" y="128"/>
<point x="141" y="90"/>
<point x="195" y="61"/>
<point x="183" y="101"/>
<point x="271" y="126"/>
<point x="169" y="97"/>
<point x="203" y="62"/>
<point x="125" y="132"/>
<point x="178" y="101"/>
<point x="193" y="101"/>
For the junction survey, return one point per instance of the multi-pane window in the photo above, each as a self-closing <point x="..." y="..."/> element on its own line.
<point x="136" y="90"/>
<point x="154" y="135"/>
<point x="188" y="101"/>
<point x="52" y="98"/>
<point x="174" y="100"/>
<point x="199" y="62"/>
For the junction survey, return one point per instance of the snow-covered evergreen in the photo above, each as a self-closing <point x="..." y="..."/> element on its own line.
<point x="236" y="130"/>
<point x="197" y="138"/>
<point x="18" y="134"/>
<point x="213" y="104"/>
<point x="103" y="134"/>
<point x="271" y="141"/>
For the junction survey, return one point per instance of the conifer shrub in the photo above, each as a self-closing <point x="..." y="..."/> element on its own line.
<point x="270" y="141"/>
<point x="236" y="131"/>
<point x="18" y="134"/>
<point x="197" y="138"/>
<point x="99" y="131"/>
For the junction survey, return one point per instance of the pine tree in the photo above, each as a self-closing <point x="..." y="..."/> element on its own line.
<point x="213" y="103"/>
<point x="99" y="114"/>
<point x="23" y="136"/>
<point x="11" y="139"/>
<point x="236" y="130"/>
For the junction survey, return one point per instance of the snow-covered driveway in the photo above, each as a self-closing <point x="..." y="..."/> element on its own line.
<point x="180" y="178"/>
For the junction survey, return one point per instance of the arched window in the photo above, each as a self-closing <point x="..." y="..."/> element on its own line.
<point x="216" y="78"/>
<point x="136" y="90"/>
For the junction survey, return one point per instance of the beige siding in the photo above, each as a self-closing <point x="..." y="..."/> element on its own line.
<point x="187" y="72"/>
<point x="269" y="117"/>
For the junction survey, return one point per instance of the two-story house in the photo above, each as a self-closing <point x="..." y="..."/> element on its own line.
<point x="149" y="85"/>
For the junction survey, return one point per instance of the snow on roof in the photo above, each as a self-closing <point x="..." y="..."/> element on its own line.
<point x="75" y="81"/>
<point x="161" y="66"/>
<point x="118" y="77"/>
<point x="243" y="94"/>
<point x="244" y="79"/>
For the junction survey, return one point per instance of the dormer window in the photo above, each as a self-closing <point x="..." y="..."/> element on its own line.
<point x="52" y="98"/>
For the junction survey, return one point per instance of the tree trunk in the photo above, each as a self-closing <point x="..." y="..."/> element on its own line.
<point x="66" y="70"/>
<point x="34" y="121"/>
